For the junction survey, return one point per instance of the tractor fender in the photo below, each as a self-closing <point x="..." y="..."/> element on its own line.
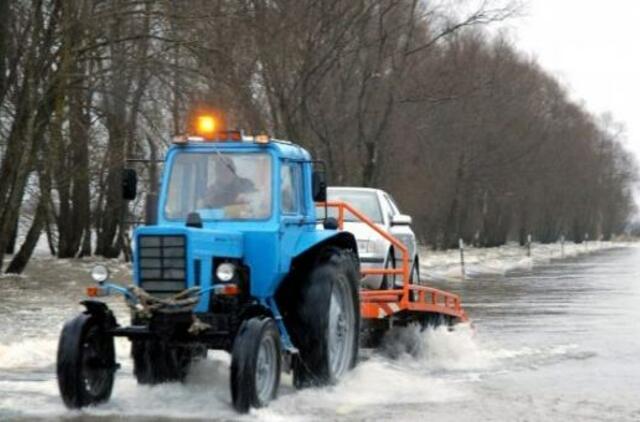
<point x="100" y="311"/>
<point x="311" y="243"/>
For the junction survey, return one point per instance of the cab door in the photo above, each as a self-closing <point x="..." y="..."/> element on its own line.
<point x="291" y="206"/>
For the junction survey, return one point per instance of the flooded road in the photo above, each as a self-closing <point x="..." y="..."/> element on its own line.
<point x="557" y="342"/>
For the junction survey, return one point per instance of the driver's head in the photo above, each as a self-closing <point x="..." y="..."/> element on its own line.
<point x="225" y="170"/>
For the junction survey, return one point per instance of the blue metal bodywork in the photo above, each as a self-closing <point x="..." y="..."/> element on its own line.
<point x="267" y="246"/>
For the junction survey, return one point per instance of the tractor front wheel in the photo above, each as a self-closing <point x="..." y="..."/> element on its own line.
<point x="255" y="364"/>
<point x="327" y="330"/>
<point x="86" y="362"/>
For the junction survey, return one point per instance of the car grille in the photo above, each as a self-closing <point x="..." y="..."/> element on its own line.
<point x="162" y="264"/>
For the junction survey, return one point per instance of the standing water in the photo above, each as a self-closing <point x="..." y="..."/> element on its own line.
<point x="559" y="342"/>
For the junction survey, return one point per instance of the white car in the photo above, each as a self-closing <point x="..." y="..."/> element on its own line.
<point x="374" y="250"/>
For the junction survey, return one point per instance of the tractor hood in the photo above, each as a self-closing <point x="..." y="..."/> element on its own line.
<point x="201" y="243"/>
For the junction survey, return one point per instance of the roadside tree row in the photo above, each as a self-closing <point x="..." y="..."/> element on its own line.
<point x="473" y="139"/>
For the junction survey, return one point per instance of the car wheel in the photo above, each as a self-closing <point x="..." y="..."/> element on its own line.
<point x="389" y="280"/>
<point x="415" y="272"/>
<point x="414" y="279"/>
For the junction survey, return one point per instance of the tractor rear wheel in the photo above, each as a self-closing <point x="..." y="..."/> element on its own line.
<point x="155" y="361"/>
<point x="255" y="364"/>
<point x="86" y="362"/>
<point x="327" y="330"/>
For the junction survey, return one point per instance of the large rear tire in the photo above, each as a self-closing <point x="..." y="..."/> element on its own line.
<point x="255" y="364"/>
<point x="155" y="362"/>
<point x="86" y="362"/>
<point x="327" y="330"/>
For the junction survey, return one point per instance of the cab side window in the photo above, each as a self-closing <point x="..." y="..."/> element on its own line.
<point x="289" y="187"/>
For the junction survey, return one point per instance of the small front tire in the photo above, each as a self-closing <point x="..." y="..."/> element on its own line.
<point x="255" y="364"/>
<point x="85" y="363"/>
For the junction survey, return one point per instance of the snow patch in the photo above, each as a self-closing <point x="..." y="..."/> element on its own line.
<point x="445" y="265"/>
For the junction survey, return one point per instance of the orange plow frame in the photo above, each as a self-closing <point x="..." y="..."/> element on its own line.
<point x="378" y="304"/>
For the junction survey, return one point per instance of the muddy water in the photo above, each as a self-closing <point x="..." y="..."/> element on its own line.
<point x="557" y="342"/>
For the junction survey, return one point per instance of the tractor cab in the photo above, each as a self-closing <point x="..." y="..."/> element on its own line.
<point x="229" y="211"/>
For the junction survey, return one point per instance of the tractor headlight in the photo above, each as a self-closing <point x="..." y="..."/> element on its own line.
<point x="100" y="273"/>
<point x="225" y="272"/>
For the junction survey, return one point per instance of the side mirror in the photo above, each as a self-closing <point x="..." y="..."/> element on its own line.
<point x="151" y="210"/>
<point x="401" y="220"/>
<point x="319" y="184"/>
<point x="129" y="184"/>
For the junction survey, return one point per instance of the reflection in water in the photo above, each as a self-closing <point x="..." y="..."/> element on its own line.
<point x="559" y="342"/>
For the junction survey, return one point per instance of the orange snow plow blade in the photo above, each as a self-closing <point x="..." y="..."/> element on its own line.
<point x="378" y="304"/>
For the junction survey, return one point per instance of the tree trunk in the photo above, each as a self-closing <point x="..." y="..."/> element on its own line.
<point x="21" y="259"/>
<point x="32" y="116"/>
<point x="5" y="19"/>
<point x="11" y="247"/>
<point x="50" y="240"/>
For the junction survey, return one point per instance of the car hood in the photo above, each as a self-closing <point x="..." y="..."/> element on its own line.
<point x="362" y="231"/>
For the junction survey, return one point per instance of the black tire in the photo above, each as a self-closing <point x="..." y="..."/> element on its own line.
<point x="85" y="363"/>
<point x="389" y="280"/>
<point x="415" y="272"/>
<point x="335" y="277"/>
<point x="414" y="278"/>
<point x="156" y="362"/>
<point x="255" y="364"/>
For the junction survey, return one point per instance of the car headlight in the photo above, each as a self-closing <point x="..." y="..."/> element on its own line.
<point x="225" y="272"/>
<point x="100" y="273"/>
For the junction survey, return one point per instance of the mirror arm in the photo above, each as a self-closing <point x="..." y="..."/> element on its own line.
<point x="323" y="164"/>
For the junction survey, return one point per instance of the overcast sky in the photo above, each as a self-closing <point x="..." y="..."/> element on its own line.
<point x="594" y="48"/>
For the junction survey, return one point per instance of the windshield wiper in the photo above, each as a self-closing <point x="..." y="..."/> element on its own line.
<point x="224" y="161"/>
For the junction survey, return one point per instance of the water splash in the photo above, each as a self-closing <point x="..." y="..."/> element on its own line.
<point x="413" y="368"/>
<point x="28" y="354"/>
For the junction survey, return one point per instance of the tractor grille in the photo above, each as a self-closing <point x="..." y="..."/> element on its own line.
<point x="162" y="264"/>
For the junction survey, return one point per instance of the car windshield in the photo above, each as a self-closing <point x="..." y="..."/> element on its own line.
<point x="219" y="186"/>
<point x="364" y="201"/>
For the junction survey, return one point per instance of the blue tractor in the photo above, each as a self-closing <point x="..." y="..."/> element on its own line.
<point x="233" y="258"/>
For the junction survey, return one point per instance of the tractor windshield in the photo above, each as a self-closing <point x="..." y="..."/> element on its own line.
<point x="219" y="186"/>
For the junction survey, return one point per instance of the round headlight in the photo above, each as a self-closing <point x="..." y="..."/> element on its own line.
<point x="100" y="273"/>
<point x="225" y="271"/>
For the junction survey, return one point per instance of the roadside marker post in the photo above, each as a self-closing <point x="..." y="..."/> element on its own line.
<point x="461" y="246"/>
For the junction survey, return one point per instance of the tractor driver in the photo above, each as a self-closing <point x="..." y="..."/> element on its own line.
<point x="228" y="188"/>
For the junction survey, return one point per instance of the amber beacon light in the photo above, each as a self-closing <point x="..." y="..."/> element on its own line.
<point x="206" y="126"/>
